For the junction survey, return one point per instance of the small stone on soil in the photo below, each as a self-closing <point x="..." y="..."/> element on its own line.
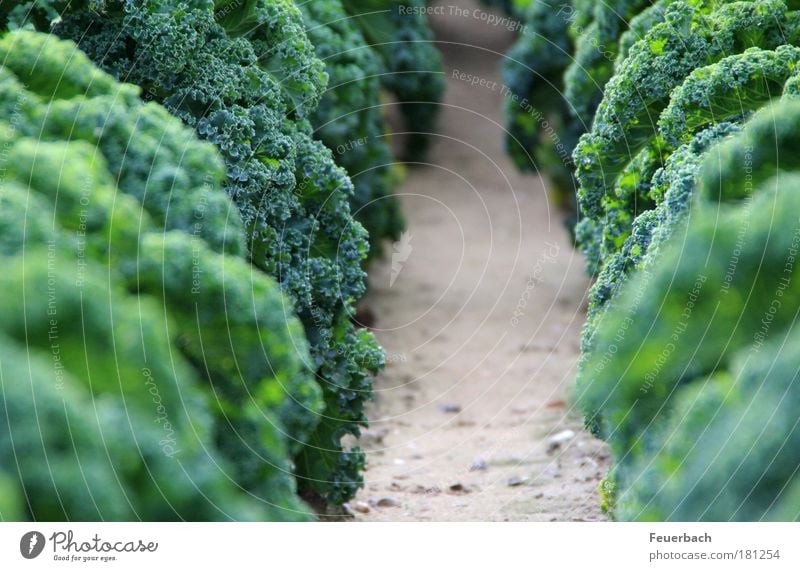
<point x="555" y="441"/>
<point x="459" y="488"/>
<point x="450" y="407"/>
<point x="479" y="465"/>
<point x="387" y="503"/>
<point x="360" y="507"/>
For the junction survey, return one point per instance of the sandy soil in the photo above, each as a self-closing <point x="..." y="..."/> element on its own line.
<point x="464" y="415"/>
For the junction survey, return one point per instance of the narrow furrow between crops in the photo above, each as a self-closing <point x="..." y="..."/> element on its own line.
<point x="479" y="307"/>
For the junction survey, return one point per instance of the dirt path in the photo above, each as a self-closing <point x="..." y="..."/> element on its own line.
<point x="464" y="414"/>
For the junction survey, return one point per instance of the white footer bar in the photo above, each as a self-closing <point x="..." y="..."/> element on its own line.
<point x="401" y="546"/>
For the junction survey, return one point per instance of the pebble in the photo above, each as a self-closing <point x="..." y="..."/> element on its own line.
<point x="360" y="507"/>
<point x="479" y="465"/>
<point x="516" y="481"/>
<point x="555" y="442"/>
<point x="450" y="407"/>
<point x="387" y="503"/>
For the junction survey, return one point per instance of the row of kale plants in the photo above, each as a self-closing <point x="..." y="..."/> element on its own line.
<point x="191" y="191"/>
<point x="671" y="129"/>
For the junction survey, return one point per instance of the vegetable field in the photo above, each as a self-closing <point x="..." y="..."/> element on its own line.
<point x="686" y="117"/>
<point x="278" y="260"/>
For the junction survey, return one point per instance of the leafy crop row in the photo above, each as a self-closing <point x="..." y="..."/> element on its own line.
<point x="148" y="370"/>
<point x="398" y="31"/>
<point x="688" y="221"/>
<point x="214" y="242"/>
<point x="698" y="399"/>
